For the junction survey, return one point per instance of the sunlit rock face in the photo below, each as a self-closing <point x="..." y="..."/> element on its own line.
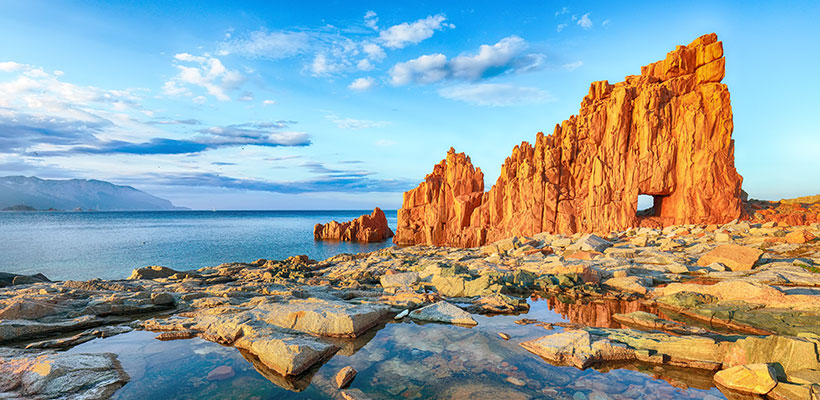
<point x="666" y="133"/>
<point x="366" y="228"/>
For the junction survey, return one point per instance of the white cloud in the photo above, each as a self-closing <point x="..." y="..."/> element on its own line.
<point x="563" y="10"/>
<point x="210" y="74"/>
<point x="425" y="69"/>
<point x="364" y="65"/>
<point x="495" y="56"/>
<point x="493" y="94"/>
<point x="373" y="51"/>
<point x="269" y="102"/>
<point x="371" y="20"/>
<point x="264" y="44"/>
<point x="399" y="36"/>
<point x="506" y="56"/>
<point x="355" y="124"/>
<point x="605" y="23"/>
<point x="199" y="99"/>
<point x="362" y="84"/>
<point x="585" y="22"/>
<point x="11" y="66"/>
<point x="560" y="27"/>
<point x="573" y="65"/>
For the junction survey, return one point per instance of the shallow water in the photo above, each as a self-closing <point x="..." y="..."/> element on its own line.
<point x="108" y="245"/>
<point x="400" y="360"/>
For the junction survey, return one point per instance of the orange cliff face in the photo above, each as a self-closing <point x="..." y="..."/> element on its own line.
<point x="665" y="133"/>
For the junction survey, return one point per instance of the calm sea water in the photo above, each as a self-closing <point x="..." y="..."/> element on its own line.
<point x="108" y="245"/>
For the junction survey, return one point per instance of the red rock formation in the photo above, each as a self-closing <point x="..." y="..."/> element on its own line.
<point x="366" y="228"/>
<point x="665" y="133"/>
<point x="800" y="211"/>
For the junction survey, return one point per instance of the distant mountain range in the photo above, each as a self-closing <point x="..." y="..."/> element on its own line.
<point x="71" y="194"/>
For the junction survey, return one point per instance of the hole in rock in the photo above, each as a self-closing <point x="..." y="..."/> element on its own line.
<point x="646" y="205"/>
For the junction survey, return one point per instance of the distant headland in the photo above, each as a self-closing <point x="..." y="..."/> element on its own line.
<point x="21" y="193"/>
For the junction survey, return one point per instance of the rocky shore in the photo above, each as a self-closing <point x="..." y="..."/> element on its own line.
<point x="738" y="303"/>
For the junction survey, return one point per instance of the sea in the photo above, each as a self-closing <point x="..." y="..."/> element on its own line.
<point x="108" y="245"/>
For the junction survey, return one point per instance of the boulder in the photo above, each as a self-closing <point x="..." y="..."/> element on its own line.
<point x="399" y="280"/>
<point x="749" y="378"/>
<point x="221" y="373"/>
<point x="733" y="256"/>
<point x="344" y="376"/>
<point x="634" y="284"/>
<point x="158" y="272"/>
<point x="445" y="312"/>
<point x="630" y="138"/>
<point x="799" y="236"/>
<point x="366" y="228"/>
<point x="322" y="317"/>
<point x="61" y="376"/>
<point x="576" y="348"/>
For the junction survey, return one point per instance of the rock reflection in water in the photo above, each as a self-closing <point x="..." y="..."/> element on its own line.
<point x="403" y="359"/>
<point x="598" y="312"/>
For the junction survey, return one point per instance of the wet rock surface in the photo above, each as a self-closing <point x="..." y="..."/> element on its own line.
<point x="642" y="300"/>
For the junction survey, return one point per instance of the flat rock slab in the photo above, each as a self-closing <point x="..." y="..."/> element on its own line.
<point x="286" y="354"/>
<point x="750" y="378"/>
<point x="322" y="317"/>
<point x="443" y="312"/>
<point x="399" y="280"/>
<point x="61" y="375"/>
<point x="733" y="256"/>
<point x="576" y="348"/>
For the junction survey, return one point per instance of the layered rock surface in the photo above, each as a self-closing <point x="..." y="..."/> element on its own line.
<point x="666" y="133"/>
<point x="366" y="228"/>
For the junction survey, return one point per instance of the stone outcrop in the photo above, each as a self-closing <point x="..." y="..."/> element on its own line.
<point x="366" y="228"/>
<point x="666" y="133"/>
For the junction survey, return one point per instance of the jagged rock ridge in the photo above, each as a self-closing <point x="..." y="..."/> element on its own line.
<point x="666" y="133"/>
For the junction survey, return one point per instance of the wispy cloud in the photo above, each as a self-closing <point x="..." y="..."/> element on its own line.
<point x="491" y="94"/>
<point x="506" y="56"/>
<point x="354" y="182"/>
<point x="573" y="65"/>
<point x="585" y="22"/>
<point x="264" y="44"/>
<point x="351" y="123"/>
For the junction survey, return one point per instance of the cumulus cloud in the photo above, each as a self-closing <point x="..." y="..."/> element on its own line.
<point x="585" y="22"/>
<point x="506" y="56"/>
<point x="362" y="84"/>
<point x="492" y="94"/>
<point x="355" y="124"/>
<point x="401" y="35"/>
<point x="264" y="44"/>
<point x="425" y="69"/>
<point x="11" y="66"/>
<point x="560" y="27"/>
<point x="208" y="73"/>
<point x="373" y="51"/>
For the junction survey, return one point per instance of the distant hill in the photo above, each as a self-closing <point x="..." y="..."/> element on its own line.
<point x="70" y="194"/>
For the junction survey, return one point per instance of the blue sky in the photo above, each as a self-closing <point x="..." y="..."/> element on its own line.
<point x="279" y="105"/>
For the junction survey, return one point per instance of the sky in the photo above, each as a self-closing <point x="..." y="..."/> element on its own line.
<point x="345" y="105"/>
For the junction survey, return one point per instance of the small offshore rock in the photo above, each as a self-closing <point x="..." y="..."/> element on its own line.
<point x="345" y="376"/>
<point x="504" y="335"/>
